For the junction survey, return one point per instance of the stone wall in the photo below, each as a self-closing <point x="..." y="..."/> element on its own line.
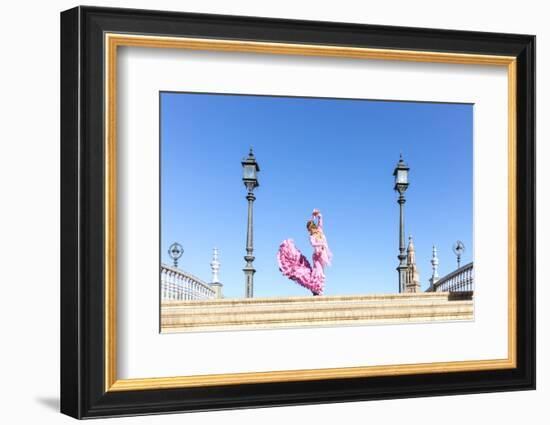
<point x="288" y="312"/>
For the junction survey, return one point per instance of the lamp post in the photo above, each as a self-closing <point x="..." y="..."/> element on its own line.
<point x="175" y="252"/>
<point x="458" y="249"/>
<point x="250" y="180"/>
<point x="401" y="175"/>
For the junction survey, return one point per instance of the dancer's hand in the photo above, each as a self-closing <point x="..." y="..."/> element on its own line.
<point x="316" y="212"/>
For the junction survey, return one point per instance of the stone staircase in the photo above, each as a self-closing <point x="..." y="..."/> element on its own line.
<point x="288" y="312"/>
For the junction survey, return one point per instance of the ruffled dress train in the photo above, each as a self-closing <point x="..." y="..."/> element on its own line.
<point x="294" y="265"/>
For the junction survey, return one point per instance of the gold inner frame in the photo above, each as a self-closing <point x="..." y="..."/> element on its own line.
<point x="113" y="41"/>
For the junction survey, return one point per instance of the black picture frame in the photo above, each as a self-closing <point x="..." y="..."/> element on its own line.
<point x="83" y="392"/>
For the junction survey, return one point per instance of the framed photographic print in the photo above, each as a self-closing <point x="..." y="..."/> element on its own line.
<point x="261" y="212"/>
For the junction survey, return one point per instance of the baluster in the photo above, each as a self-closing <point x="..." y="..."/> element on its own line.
<point x="185" y="289"/>
<point x="163" y="283"/>
<point x="168" y="284"/>
<point x="170" y="290"/>
<point x="162" y="286"/>
<point x="174" y="286"/>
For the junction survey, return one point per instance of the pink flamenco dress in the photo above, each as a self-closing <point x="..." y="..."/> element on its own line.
<point x="294" y="265"/>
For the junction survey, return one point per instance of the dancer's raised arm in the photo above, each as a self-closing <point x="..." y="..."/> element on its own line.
<point x="317" y="213"/>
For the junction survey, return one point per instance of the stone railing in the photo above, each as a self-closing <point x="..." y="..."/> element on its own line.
<point x="460" y="280"/>
<point x="175" y="284"/>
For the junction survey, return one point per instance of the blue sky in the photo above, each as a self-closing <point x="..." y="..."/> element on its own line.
<point x="337" y="155"/>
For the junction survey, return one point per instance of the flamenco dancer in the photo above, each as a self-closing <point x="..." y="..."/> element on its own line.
<point x="294" y="265"/>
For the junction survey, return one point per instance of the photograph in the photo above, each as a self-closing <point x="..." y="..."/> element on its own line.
<point x="280" y="211"/>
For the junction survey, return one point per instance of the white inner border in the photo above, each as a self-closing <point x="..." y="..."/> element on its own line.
<point x="142" y="352"/>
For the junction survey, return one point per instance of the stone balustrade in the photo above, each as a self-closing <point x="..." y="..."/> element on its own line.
<point x="460" y="280"/>
<point x="178" y="285"/>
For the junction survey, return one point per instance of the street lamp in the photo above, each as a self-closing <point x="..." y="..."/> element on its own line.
<point x="458" y="249"/>
<point x="250" y="180"/>
<point x="401" y="176"/>
<point x="175" y="252"/>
